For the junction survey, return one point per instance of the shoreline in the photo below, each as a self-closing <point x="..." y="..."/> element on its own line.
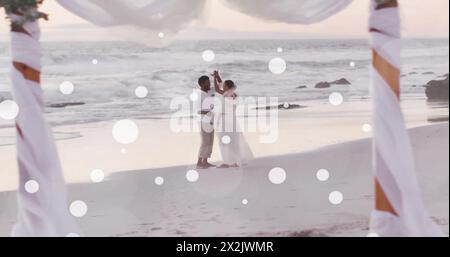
<point x="85" y="147"/>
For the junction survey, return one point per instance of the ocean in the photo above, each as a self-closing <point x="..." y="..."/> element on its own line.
<point x="106" y="90"/>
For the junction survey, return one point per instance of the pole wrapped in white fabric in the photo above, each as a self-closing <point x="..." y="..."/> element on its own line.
<point x="45" y="212"/>
<point x="393" y="156"/>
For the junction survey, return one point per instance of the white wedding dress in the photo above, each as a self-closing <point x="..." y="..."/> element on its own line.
<point x="233" y="145"/>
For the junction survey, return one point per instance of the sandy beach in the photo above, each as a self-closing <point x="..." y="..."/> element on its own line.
<point x="240" y="202"/>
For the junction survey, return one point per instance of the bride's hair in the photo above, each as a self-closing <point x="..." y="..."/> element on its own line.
<point x="229" y="84"/>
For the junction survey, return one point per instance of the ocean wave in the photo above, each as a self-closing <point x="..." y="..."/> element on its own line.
<point x="107" y="89"/>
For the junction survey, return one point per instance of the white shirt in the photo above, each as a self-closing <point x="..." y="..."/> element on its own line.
<point x="207" y="105"/>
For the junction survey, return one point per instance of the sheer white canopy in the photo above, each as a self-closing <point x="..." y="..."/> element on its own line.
<point x="171" y="16"/>
<point x="289" y="11"/>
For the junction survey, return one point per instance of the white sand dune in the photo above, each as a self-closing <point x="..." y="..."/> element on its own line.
<point x="131" y="204"/>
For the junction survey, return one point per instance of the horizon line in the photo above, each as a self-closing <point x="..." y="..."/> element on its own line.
<point x="241" y="39"/>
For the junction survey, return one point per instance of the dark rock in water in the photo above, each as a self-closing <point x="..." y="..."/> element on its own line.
<point x="4" y="96"/>
<point x="283" y="107"/>
<point x="342" y="81"/>
<point x="413" y="73"/>
<point x="307" y="233"/>
<point x="437" y="89"/>
<point x="63" y="105"/>
<point x="444" y="76"/>
<point x="428" y="73"/>
<point x="403" y="75"/>
<point x="323" y="85"/>
<point x="439" y="119"/>
<point x="302" y="87"/>
<point x="290" y="106"/>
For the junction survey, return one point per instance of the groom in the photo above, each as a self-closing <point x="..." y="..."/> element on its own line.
<point x="207" y="122"/>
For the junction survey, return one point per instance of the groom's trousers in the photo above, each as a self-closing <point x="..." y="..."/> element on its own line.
<point x="207" y="143"/>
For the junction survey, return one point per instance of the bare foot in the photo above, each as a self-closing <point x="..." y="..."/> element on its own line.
<point x="201" y="167"/>
<point x="209" y="165"/>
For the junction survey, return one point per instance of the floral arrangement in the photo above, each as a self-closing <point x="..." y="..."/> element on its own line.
<point x="26" y="8"/>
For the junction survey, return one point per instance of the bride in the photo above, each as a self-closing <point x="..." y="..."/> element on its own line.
<point x="233" y="146"/>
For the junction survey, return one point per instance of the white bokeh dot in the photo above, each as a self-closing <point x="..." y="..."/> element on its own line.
<point x="336" y="197"/>
<point x="226" y="140"/>
<point x="123" y="151"/>
<point x="66" y="88"/>
<point x="125" y="132"/>
<point x="279" y="50"/>
<point x="367" y="128"/>
<point x="208" y="55"/>
<point x="323" y="175"/>
<point x="277" y="66"/>
<point x="141" y="92"/>
<point x="32" y="186"/>
<point x="277" y="176"/>
<point x="336" y="99"/>
<point x="9" y="110"/>
<point x="286" y="105"/>
<point x="159" y="181"/>
<point x="194" y="97"/>
<point x="78" y="208"/>
<point x="95" y="61"/>
<point x="97" y="176"/>
<point x="352" y="64"/>
<point x="161" y="35"/>
<point x="192" y="176"/>
<point x="245" y="202"/>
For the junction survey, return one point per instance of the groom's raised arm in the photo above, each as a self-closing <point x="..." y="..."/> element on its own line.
<point x="217" y="80"/>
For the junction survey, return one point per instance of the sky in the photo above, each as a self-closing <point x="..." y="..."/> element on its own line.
<point x="421" y="19"/>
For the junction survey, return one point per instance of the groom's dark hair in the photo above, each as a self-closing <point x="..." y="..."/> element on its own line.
<point x="202" y="80"/>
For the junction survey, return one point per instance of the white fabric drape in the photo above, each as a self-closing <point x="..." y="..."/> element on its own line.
<point x="44" y="213"/>
<point x="171" y="16"/>
<point x="289" y="11"/>
<point x="167" y="16"/>
<point x="393" y="156"/>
